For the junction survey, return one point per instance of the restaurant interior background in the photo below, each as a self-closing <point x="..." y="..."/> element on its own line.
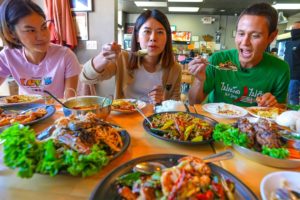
<point x="211" y="28"/>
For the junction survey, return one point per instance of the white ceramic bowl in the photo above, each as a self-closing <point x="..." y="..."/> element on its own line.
<point x="275" y="180"/>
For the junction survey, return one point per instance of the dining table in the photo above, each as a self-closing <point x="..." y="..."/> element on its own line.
<point x="67" y="187"/>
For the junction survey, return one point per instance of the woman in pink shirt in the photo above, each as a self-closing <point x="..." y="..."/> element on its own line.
<point x="28" y="55"/>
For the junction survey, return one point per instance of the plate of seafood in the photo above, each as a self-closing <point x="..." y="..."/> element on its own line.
<point x="224" y="110"/>
<point x="269" y="113"/>
<point x="127" y="105"/>
<point x="181" y="127"/>
<point x="20" y="99"/>
<point x="173" y="182"/>
<point x="24" y="114"/>
<point x="88" y="130"/>
<point x="76" y="145"/>
<point x="264" y="143"/>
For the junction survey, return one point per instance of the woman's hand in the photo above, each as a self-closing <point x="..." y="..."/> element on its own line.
<point x="156" y="95"/>
<point x="197" y="67"/>
<point x="266" y="100"/>
<point x="111" y="51"/>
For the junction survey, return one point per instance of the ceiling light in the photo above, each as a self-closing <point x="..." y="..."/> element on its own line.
<point x="185" y="1"/>
<point x="183" y="9"/>
<point x="150" y="4"/>
<point x="281" y="18"/>
<point x="286" y="6"/>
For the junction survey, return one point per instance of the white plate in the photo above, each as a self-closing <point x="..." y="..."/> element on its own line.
<point x="35" y="99"/>
<point x="214" y="109"/>
<point x="262" y="108"/>
<point x="275" y="180"/>
<point x="140" y="105"/>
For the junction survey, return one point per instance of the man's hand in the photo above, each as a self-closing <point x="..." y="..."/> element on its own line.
<point x="266" y="100"/>
<point x="197" y="67"/>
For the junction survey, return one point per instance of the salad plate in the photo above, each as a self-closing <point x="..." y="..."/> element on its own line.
<point x="259" y="140"/>
<point x="194" y="129"/>
<point x="267" y="160"/>
<point x="108" y="188"/>
<point x="20" y="99"/>
<point x="77" y="145"/>
<point x="28" y="107"/>
<point x="127" y="105"/>
<point x="102" y="126"/>
<point x="224" y="110"/>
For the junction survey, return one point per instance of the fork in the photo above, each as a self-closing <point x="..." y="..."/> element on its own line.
<point x="140" y="53"/>
<point x="220" y="68"/>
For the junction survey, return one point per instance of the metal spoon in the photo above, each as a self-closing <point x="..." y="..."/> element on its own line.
<point x="155" y="130"/>
<point x="143" y="115"/>
<point x="151" y="167"/>
<point x="54" y="97"/>
<point x="286" y="194"/>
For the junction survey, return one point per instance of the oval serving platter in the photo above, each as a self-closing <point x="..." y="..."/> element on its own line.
<point x="267" y="160"/>
<point x="33" y="106"/>
<point x="107" y="188"/>
<point x="233" y="110"/>
<point x="158" y="134"/>
<point x="123" y="133"/>
<point x="27" y="99"/>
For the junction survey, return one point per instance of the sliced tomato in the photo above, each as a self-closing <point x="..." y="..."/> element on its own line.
<point x="208" y="195"/>
<point x="218" y="189"/>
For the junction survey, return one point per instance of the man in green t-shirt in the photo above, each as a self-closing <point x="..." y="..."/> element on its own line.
<point x="260" y="78"/>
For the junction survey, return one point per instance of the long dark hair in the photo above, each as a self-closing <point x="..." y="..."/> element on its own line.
<point x="265" y="10"/>
<point x="11" y="11"/>
<point x="167" y="55"/>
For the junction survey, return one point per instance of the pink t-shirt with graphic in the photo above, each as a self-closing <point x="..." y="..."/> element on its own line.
<point x="59" y="64"/>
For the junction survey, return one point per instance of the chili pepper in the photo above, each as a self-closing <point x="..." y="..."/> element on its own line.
<point x="199" y="138"/>
<point x="167" y="125"/>
<point x="188" y="131"/>
<point x="208" y="195"/>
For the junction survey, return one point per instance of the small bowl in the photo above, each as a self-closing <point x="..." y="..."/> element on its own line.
<point x="275" y="180"/>
<point x="81" y="105"/>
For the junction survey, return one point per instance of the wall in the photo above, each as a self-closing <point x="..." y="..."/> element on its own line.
<point x="194" y="24"/>
<point x="292" y="19"/>
<point x="102" y="26"/>
<point x="102" y="23"/>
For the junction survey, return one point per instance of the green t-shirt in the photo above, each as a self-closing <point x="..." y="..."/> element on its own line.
<point x="243" y="86"/>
